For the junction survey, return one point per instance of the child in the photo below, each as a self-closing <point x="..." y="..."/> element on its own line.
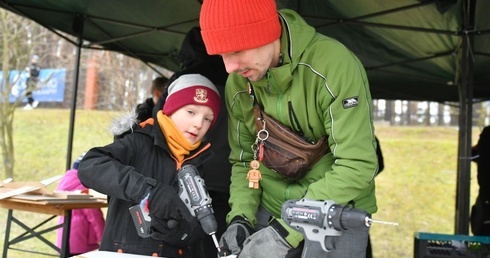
<point x="87" y="225"/>
<point x="145" y="161"/>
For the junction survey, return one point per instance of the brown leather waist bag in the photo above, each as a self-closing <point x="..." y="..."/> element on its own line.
<point x="283" y="150"/>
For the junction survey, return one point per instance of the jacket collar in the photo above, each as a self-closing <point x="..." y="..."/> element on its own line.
<point x="160" y="141"/>
<point x="295" y="37"/>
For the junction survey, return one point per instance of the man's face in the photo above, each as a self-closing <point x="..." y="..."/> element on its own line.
<point x="251" y="63"/>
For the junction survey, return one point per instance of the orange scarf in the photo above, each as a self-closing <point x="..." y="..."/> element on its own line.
<point x="178" y="144"/>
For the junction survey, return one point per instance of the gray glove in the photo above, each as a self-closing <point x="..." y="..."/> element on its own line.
<point x="231" y="241"/>
<point x="267" y="241"/>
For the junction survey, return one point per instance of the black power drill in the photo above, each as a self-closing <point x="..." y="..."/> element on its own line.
<point x="192" y="191"/>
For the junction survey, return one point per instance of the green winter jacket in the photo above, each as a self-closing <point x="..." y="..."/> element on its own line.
<point x="325" y="86"/>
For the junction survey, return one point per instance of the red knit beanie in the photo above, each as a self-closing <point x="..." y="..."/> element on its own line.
<point x="235" y="25"/>
<point x="192" y="89"/>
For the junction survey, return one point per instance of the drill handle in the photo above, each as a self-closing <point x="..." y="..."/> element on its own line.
<point x="313" y="249"/>
<point x="191" y="190"/>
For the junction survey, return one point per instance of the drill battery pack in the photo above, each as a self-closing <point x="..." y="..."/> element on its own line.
<point x="141" y="218"/>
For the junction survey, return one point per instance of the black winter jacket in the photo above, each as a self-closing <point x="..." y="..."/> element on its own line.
<point x="125" y="170"/>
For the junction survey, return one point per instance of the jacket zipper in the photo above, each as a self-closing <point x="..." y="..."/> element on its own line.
<point x="179" y="165"/>
<point x="271" y="80"/>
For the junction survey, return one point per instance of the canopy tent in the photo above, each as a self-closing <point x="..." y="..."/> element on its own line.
<point x="434" y="50"/>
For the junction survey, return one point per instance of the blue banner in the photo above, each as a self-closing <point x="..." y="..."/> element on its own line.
<point x="51" y="85"/>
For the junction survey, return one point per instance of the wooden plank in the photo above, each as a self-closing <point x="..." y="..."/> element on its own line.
<point x="51" y="180"/>
<point x="50" y="199"/>
<point x="32" y="207"/>
<point x="40" y="187"/>
<point x="71" y="195"/>
<point x="50" y="208"/>
<point x="9" y="192"/>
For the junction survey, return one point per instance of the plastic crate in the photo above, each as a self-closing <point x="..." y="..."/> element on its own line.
<point x="428" y="245"/>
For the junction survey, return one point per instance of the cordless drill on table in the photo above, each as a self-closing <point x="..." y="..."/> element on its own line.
<point x="317" y="220"/>
<point x="192" y="191"/>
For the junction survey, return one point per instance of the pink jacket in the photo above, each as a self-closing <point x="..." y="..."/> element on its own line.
<point x="87" y="225"/>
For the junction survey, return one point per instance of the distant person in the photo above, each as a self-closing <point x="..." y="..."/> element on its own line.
<point x="194" y="59"/>
<point x="33" y="71"/>
<point x="144" y="163"/>
<point x="480" y="211"/>
<point x="87" y="225"/>
<point x="145" y="110"/>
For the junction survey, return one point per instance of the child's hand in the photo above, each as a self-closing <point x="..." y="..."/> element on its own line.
<point x="171" y="220"/>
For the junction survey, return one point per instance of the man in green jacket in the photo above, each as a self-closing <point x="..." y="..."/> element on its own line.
<point x="312" y="84"/>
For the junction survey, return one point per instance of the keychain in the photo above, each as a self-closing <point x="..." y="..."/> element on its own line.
<point x="262" y="136"/>
<point x="254" y="175"/>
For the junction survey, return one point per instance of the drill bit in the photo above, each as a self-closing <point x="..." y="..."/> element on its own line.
<point x="383" y="222"/>
<point x="215" y="242"/>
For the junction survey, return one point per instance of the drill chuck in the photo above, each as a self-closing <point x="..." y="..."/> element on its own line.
<point x="345" y="217"/>
<point x="209" y="224"/>
<point x="205" y="215"/>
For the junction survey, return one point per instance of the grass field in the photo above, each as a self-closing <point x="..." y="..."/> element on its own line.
<point x="417" y="189"/>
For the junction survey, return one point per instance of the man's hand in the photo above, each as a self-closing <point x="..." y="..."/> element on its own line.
<point x="231" y="242"/>
<point x="271" y="245"/>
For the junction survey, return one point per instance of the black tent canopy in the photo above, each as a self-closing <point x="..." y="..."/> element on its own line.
<point x="412" y="50"/>
<point x="434" y="50"/>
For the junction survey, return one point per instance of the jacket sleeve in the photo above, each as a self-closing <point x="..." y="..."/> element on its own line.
<point x="348" y="122"/>
<point x="244" y="202"/>
<point x="109" y="169"/>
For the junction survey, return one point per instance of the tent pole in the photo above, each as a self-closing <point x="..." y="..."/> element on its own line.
<point x="78" y="27"/>
<point x="465" y="122"/>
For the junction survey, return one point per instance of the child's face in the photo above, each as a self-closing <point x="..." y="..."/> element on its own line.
<point x="193" y="121"/>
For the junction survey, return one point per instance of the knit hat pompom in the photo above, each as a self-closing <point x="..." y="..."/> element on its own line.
<point x="192" y="89"/>
<point x="236" y="25"/>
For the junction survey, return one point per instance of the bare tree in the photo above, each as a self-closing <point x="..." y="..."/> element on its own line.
<point x="124" y="81"/>
<point x="19" y="37"/>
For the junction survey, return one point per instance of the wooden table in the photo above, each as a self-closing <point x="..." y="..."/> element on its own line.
<point x="60" y="208"/>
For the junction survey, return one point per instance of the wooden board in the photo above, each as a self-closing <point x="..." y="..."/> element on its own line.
<point x="41" y="189"/>
<point x="53" y="208"/>
<point x="9" y="192"/>
<point x="37" y="192"/>
<point x="71" y="195"/>
<point x="52" y="199"/>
